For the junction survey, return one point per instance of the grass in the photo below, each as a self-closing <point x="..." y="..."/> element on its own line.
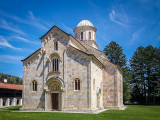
<point x="133" y="112"/>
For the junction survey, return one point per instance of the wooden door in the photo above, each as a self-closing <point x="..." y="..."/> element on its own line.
<point x="55" y="101"/>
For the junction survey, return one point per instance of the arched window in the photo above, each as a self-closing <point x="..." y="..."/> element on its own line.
<point x="34" y="85"/>
<point x="56" y="45"/>
<point x="55" y="63"/>
<point x="81" y="35"/>
<point x="89" y="35"/>
<point x="77" y="84"/>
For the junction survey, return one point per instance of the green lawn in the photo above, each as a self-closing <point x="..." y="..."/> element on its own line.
<point x="133" y="112"/>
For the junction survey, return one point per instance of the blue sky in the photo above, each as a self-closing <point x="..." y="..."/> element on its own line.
<point x="131" y="23"/>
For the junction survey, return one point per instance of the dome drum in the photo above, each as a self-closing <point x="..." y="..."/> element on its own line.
<point x="85" y="31"/>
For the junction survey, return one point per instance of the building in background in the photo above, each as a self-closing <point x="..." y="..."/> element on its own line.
<point x="10" y="94"/>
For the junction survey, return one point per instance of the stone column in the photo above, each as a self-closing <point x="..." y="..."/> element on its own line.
<point x="14" y="102"/>
<point x="45" y="100"/>
<point x="1" y="102"/>
<point x="62" y="101"/>
<point x="20" y="101"/>
<point x="7" y="102"/>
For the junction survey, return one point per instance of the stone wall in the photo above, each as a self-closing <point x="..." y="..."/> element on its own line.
<point x="112" y="80"/>
<point x="36" y="68"/>
<point x="96" y="85"/>
<point x="112" y="90"/>
<point x="77" y="65"/>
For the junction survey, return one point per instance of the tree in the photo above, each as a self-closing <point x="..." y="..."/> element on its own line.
<point x="115" y="54"/>
<point x="137" y="71"/>
<point x="10" y="79"/>
<point x="144" y="66"/>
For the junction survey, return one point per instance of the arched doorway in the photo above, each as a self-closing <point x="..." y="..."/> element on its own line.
<point x="55" y="89"/>
<point x="53" y="94"/>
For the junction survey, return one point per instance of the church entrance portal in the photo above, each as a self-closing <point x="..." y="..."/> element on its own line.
<point x="53" y="95"/>
<point x="55" y="101"/>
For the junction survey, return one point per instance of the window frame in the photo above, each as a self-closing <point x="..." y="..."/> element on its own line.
<point x="77" y="84"/>
<point x="55" y="64"/>
<point x="56" y="45"/>
<point x="34" y="86"/>
<point x="81" y="35"/>
<point x="89" y="35"/>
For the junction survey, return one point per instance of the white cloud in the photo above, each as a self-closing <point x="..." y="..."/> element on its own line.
<point x="136" y="35"/>
<point x="4" y="43"/>
<point x="26" y="40"/>
<point x="118" y="18"/>
<point x="35" y="22"/>
<point x="10" y="59"/>
<point x="5" y="25"/>
<point x="31" y="20"/>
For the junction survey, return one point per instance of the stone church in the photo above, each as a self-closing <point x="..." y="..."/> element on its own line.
<point x="69" y="73"/>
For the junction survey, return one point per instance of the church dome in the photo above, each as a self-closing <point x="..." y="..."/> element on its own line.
<point x="85" y="23"/>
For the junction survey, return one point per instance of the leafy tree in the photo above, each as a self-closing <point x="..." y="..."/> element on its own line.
<point x="115" y="54"/>
<point x="10" y="79"/>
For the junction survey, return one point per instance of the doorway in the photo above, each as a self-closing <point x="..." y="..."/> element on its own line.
<point x="55" y="101"/>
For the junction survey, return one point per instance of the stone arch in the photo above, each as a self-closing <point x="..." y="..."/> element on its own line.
<point x="54" y="79"/>
<point x="54" y="54"/>
<point x="54" y="61"/>
<point x="54" y="94"/>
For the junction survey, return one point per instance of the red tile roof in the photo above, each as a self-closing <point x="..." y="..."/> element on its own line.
<point x="10" y="86"/>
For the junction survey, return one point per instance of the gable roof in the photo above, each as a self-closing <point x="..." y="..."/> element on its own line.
<point x="31" y="55"/>
<point x="11" y="86"/>
<point x="55" y="26"/>
<point x="94" y="51"/>
<point x="88" y="55"/>
<point x="69" y="35"/>
<point x="84" y="45"/>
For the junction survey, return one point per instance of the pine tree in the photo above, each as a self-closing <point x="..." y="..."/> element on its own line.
<point x="137" y="71"/>
<point x="145" y="73"/>
<point x="114" y="52"/>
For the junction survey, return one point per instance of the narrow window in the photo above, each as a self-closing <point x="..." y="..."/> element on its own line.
<point x="89" y="35"/>
<point x="77" y="84"/>
<point x="81" y="35"/>
<point x="55" y="65"/>
<point x="56" y="45"/>
<point x="34" y="85"/>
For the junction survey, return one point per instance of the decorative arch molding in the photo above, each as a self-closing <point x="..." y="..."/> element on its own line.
<point x="54" y="54"/>
<point x="53" y="60"/>
<point x="54" y="79"/>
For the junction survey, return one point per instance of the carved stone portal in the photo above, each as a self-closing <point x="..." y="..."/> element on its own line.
<point x="54" y="86"/>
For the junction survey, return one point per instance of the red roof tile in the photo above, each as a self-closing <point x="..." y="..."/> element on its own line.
<point x="10" y="86"/>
